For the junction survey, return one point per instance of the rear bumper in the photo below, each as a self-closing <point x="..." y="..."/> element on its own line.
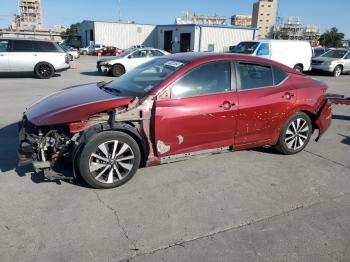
<point x="324" y="119"/>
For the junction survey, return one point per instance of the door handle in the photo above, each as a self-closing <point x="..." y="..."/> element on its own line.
<point x="35" y="55"/>
<point x="226" y="105"/>
<point x="2" y="55"/>
<point x="288" y="96"/>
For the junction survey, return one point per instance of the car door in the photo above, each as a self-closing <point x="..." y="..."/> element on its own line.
<point x="4" y="56"/>
<point x="135" y="59"/>
<point x="347" y="63"/>
<point x="23" y="55"/>
<point x="264" y="51"/>
<point x="265" y="98"/>
<point x="200" y="113"/>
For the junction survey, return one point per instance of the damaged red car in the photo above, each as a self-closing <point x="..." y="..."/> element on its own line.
<point x="170" y="109"/>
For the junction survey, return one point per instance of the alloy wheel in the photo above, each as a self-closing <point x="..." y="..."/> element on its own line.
<point x="297" y="134"/>
<point x="111" y="162"/>
<point x="45" y="70"/>
<point x="338" y="71"/>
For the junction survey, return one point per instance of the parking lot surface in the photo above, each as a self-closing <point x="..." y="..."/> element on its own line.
<point x="253" y="205"/>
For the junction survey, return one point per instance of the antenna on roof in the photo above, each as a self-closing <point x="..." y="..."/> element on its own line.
<point x="119" y="11"/>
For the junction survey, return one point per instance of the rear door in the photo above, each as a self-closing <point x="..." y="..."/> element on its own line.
<point x="200" y="115"/>
<point x="4" y="56"/>
<point x="137" y="58"/>
<point x="23" y="55"/>
<point x="347" y="63"/>
<point x="265" y="98"/>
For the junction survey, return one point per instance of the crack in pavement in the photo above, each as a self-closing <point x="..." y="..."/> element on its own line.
<point x="125" y="233"/>
<point x="182" y="243"/>
<point x="330" y="160"/>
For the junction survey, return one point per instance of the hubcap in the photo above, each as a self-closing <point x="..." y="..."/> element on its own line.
<point x="112" y="161"/>
<point x="338" y="71"/>
<point x="297" y="133"/>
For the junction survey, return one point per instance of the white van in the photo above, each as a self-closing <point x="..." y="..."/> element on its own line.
<point x="293" y="53"/>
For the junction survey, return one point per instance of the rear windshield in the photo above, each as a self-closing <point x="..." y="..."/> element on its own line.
<point x="34" y="46"/>
<point x="246" y="48"/>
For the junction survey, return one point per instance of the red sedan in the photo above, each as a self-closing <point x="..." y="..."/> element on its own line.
<point x="169" y="109"/>
<point x="109" y="51"/>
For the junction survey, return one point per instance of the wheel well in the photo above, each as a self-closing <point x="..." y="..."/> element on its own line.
<point x="313" y="118"/>
<point x="341" y="66"/>
<point x="299" y="65"/>
<point x="121" y="127"/>
<point x="43" y="62"/>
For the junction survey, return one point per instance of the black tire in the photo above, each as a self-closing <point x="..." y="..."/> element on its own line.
<point x="117" y="70"/>
<point x="111" y="173"/>
<point x="298" y="68"/>
<point x="44" y="70"/>
<point x="338" y="70"/>
<point x="286" y="138"/>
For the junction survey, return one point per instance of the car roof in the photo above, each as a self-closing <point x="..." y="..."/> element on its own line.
<point x="200" y="57"/>
<point x="25" y="39"/>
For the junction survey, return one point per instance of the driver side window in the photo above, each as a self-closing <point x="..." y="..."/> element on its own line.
<point x="348" y="56"/>
<point x="264" y="50"/>
<point x="139" y="54"/>
<point x="4" y="46"/>
<point x="209" y="78"/>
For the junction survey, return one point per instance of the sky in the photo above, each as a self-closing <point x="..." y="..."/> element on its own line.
<point x="324" y="13"/>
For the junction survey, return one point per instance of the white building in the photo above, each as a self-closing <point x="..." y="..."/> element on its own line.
<point x="172" y="38"/>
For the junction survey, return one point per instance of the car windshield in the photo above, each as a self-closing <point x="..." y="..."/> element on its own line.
<point x="142" y="80"/>
<point x="246" y="47"/>
<point x="126" y="53"/>
<point x="335" y="54"/>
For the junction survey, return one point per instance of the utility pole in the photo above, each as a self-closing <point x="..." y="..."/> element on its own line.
<point x="119" y="11"/>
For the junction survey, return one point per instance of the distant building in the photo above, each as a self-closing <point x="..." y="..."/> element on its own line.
<point x="241" y="20"/>
<point x="30" y="16"/>
<point x="264" y="17"/>
<point x="294" y="30"/>
<point x="199" y="19"/>
<point x="172" y="38"/>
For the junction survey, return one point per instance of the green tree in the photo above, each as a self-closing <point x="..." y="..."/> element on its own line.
<point x="332" y="38"/>
<point x="72" y="30"/>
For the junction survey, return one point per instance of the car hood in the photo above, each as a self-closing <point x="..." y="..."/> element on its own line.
<point x="325" y="59"/>
<point x="73" y="104"/>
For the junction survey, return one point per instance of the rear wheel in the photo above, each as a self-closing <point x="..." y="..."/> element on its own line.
<point x="337" y="71"/>
<point x="117" y="70"/>
<point x="295" y="134"/>
<point x="298" y="68"/>
<point x="109" y="160"/>
<point x="44" y="70"/>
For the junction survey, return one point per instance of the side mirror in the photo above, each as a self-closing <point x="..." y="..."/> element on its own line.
<point x="129" y="56"/>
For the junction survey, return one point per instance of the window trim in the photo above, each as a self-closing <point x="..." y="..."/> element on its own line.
<point x="238" y="76"/>
<point x="233" y="84"/>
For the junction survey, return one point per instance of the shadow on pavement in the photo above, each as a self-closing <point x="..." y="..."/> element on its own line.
<point x="346" y="139"/>
<point x="94" y="73"/>
<point x="11" y="75"/>
<point x="9" y="159"/>
<point x="341" y="117"/>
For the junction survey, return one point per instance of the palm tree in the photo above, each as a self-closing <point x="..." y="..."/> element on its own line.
<point x="332" y="38"/>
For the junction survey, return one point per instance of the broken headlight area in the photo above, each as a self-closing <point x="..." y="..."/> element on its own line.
<point x="46" y="148"/>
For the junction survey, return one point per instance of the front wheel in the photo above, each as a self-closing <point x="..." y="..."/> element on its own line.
<point x="110" y="159"/>
<point x="117" y="70"/>
<point x="295" y="134"/>
<point x="298" y="68"/>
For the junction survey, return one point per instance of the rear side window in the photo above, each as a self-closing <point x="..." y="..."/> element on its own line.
<point x="4" y="45"/>
<point x="279" y="75"/>
<point x="210" y="78"/>
<point x="255" y="76"/>
<point x="33" y="46"/>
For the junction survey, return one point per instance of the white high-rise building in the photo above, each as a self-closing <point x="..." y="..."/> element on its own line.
<point x="264" y="17"/>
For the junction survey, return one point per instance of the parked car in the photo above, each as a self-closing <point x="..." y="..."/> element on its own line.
<point x="84" y="50"/>
<point x="109" y="51"/>
<point x="128" y="60"/>
<point x="170" y="109"/>
<point x="43" y="58"/>
<point x="335" y="61"/>
<point x="292" y="53"/>
<point x="94" y="48"/>
<point x="73" y="53"/>
<point x="318" y="51"/>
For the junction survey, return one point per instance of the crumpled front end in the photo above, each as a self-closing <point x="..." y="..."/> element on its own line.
<point x="44" y="148"/>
